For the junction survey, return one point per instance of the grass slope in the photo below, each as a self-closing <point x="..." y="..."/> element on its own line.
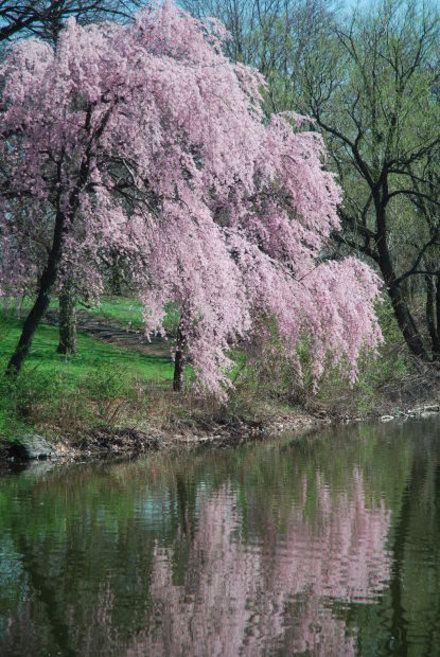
<point x="75" y="393"/>
<point x="92" y="354"/>
<point x="127" y="311"/>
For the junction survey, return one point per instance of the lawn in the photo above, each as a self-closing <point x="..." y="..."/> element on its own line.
<point x="125" y="311"/>
<point x="75" y="393"/>
<point x="92" y="354"/>
<point x="120" y="310"/>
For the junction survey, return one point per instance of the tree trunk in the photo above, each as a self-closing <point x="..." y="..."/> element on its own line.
<point x="116" y="277"/>
<point x="431" y="315"/>
<point x="402" y="313"/>
<point x="178" y="362"/>
<point x="406" y="323"/>
<point x="436" y="352"/>
<point x="67" y="320"/>
<point x="41" y="304"/>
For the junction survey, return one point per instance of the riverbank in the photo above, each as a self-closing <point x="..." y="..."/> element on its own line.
<point x="114" y="396"/>
<point x="107" y="442"/>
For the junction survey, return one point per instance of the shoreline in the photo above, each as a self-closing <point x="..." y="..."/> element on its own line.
<point x="108" y="443"/>
<point x="131" y="442"/>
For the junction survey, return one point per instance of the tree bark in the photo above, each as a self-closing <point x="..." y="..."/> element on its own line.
<point x="41" y="304"/>
<point x="406" y="323"/>
<point x="178" y="362"/>
<point x="67" y="320"/>
<point x="50" y="273"/>
<point x="402" y="313"/>
<point x="436" y="351"/>
<point x="116" y="277"/>
<point x="432" y="294"/>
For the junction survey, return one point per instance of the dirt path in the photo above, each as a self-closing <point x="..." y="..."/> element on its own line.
<point x="104" y="329"/>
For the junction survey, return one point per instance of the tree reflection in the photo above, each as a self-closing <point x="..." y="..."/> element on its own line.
<point x="325" y="548"/>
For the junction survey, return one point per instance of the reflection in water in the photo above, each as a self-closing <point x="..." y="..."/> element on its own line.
<point x="270" y="598"/>
<point x="321" y="548"/>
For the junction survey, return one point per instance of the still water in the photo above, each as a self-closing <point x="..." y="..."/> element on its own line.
<point x="327" y="547"/>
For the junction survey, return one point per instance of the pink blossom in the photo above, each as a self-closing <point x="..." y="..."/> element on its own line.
<point x="147" y="140"/>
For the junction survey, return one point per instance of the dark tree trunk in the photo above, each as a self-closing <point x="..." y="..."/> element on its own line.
<point x="50" y="273"/>
<point x="431" y="315"/>
<point x="402" y="312"/>
<point x="436" y="351"/>
<point x="178" y="362"/>
<point x="117" y="276"/>
<point x="406" y="323"/>
<point x="41" y="304"/>
<point x="67" y="320"/>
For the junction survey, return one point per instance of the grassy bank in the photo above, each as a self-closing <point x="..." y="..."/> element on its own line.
<point x="91" y="388"/>
<point x="110" y="386"/>
<point x="106" y="386"/>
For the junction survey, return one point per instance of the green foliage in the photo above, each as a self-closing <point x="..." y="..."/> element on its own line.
<point x="389" y="368"/>
<point x="378" y="374"/>
<point x="19" y="394"/>
<point x="109" y="389"/>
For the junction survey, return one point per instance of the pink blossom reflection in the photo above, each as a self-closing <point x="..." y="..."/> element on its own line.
<point x="275" y="595"/>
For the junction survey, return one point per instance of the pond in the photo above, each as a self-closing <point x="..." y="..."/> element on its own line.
<point x="326" y="546"/>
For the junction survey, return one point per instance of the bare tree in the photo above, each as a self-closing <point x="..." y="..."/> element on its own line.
<point x="45" y="18"/>
<point x="369" y="88"/>
<point x="267" y="34"/>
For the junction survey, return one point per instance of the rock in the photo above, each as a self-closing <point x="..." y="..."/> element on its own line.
<point x="37" y="469"/>
<point x="426" y="414"/>
<point x="31" y="447"/>
<point x="386" y="418"/>
<point x="433" y="408"/>
<point x="424" y="411"/>
<point x="120" y="440"/>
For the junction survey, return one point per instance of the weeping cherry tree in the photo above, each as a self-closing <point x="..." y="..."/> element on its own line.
<point x="146" y="139"/>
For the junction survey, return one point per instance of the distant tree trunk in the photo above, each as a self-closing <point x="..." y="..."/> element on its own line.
<point x="178" y="362"/>
<point x="41" y="304"/>
<point x="116" y="276"/>
<point x="436" y="351"/>
<point x="406" y="323"/>
<point x="433" y="313"/>
<point x="67" y="320"/>
<point x="402" y="312"/>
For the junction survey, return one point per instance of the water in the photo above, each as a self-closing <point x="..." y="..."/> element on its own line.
<point x="322" y="547"/>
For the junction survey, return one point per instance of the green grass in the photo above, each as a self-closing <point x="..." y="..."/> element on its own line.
<point x="92" y="354"/>
<point x="107" y="383"/>
<point x="128" y="312"/>
<point x="78" y="392"/>
<point x="125" y="311"/>
<point x="121" y="310"/>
